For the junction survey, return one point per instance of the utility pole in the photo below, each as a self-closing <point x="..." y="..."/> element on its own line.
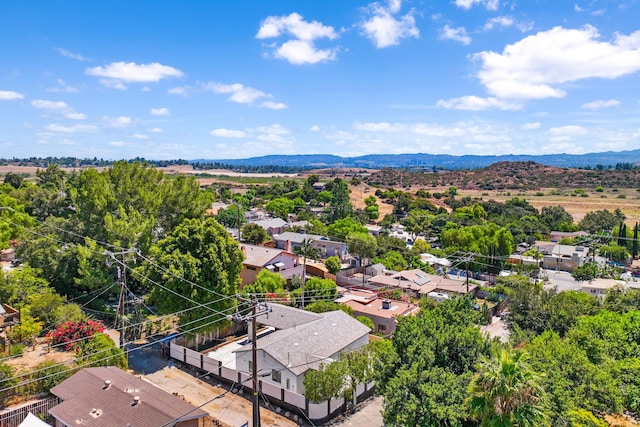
<point x="254" y="355"/>
<point x="123" y="287"/>
<point x="257" y="309"/>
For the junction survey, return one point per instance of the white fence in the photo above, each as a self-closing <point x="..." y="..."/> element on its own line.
<point x="314" y="411"/>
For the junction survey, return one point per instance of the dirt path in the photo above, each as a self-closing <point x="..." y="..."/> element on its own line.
<point x="231" y="409"/>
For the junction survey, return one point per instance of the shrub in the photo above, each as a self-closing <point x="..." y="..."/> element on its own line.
<point x="71" y="333"/>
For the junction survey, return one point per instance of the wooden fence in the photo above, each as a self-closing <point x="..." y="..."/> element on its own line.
<point x="14" y="417"/>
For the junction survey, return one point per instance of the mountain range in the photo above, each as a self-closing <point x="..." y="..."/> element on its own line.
<point x="427" y="161"/>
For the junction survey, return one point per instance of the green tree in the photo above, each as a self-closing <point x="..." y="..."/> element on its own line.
<point x="340" y="204"/>
<point x="100" y="350"/>
<point x="280" y="207"/>
<point x="362" y="245"/>
<point x="366" y="322"/>
<point x="266" y="283"/>
<point x="324" y="197"/>
<point x="556" y="218"/>
<point x="325" y="306"/>
<point x="8" y="381"/>
<point x="26" y="331"/>
<point x="13" y="179"/>
<point x="254" y="234"/>
<point x="601" y="221"/>
<point x="325" y="383"/>
<point x="198" y="265"/>
<point x="14" y="220"/>
<point x="316" y="289"/>
<point x="306" y="249"/>
<point x="392" y="260"/>
<point x="505" y="392"/>
<point x="232" y="216"/>
<point x="333" y="264"/>
<point x="343" y="227"/>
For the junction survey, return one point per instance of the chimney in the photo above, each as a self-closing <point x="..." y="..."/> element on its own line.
<point x="136" y="400"/>
<point x="386" y="304"/>
<point x="107" y="384"/>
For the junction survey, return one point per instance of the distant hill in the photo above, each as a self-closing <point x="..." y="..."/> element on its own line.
<point x="509" y="176"/>
<point x="430" y="161"/>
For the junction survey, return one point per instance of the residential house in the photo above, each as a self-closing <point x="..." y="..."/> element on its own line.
<point x="373" y="229"/>
<point x="384" y="313"/>
<point x="272" y="225"/>
<point x="598" y="287"/>
<point x="319" y="186"/>
<point x="416" y="283"/>
<point x="326" y="247"/>
<point x="257" y="258"/>
<point x="9" y="316"/>
<point x="565" y="257"/>
<point x="300" y="341"/>
<point x="438" y="264"/>
<point x="109" y="396"/>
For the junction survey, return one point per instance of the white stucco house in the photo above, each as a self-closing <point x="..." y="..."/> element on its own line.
<point x="300" y="341"/>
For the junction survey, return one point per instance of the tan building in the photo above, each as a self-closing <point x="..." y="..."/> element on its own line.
<point x="258" y="258"/>
<point x="416" y="283"/>
<point x="384" y="313"/>
<point x="109" y="396"/>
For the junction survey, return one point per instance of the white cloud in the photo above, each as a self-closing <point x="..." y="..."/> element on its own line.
<point x="140" y="136"/>
<point x="71" y="129"/>
<point x="383" y="29"/>
<point x="275" y="128"/>
<point x="9" y="95"/>
<point x="63" y="87"/>
<point x="501" y="21"/>
<point x="467" y="4"/>
<point x="314" y="128"/>
<point x="300" y="49"/>
<point x="274" y="105"/>
<point x="118" y="122"/>
<point x="117" y="143"/>
<point x="566" y="133"/>
<point x="160" y="112"/>
<point x="458" y="34"/>
<point x="60" y="107"/>
<point x="157" y="130"/>
<point x="49" y="105"/>
<point x="117" y="73"/>
<point x="180" y="90"/>
<point x="238" y="92"/>
<point x="531" y="126"/>
<point x="535" y="66"/>
<point x="475" y="103"/>
<point x="601" y="103"/>
<point x="228" y="133"/>
<point x="75" y="116"/>
<point x="71" y="55"/>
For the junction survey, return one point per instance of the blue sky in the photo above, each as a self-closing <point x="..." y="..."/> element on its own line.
<point x="239" y="78"/>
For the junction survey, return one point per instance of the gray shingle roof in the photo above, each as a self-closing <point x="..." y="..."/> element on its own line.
<point x="259" y="255"/>
<point x="284" y="317"/>
<point x="310" y="344"/>
<point x="88" y="402"/>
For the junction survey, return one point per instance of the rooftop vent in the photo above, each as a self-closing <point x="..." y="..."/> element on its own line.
<point x="136" y="400"/>
<point x="95" y="413"/>
<point x="386" y="304"/>
<point x="107" y="384"/>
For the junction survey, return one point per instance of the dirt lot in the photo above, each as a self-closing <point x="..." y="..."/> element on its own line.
<point x="30" y="358"/>
<point x="232" y="409"/>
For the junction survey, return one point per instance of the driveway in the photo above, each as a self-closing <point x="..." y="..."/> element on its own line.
<point x="232" y="409"/>
<point x="368" y="414"/>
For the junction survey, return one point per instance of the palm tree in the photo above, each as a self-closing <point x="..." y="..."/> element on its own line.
<point x="505" y="393"/>
<point x="306" y="250"/>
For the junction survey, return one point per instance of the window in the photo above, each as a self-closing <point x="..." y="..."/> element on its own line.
<point x="382" y="328"/>
<point x="288" y="383"/>
<point x="276" y="376"/>
<point x="250" y="366"/>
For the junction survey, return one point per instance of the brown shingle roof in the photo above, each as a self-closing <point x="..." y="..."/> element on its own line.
<point x="87" y="401"/>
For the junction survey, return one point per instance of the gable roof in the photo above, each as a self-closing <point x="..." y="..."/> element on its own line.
<point x="271" y="223"/>
<point x="300" y="237"/>
<point x="259" y="255"/>
<point x="88" y="401"/>
<point x="308" y="345"/>
<point x="284" y="317"/>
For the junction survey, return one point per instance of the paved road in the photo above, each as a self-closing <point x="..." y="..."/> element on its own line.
<point x="561" y="280"/>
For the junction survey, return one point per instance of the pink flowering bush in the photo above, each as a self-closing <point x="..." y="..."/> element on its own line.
<point x="72" y="333"/>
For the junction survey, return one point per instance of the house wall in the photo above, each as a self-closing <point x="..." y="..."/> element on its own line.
<point x="267" y="364"/>
<point x="198" y="422"/>
<point x="560" y="263"/>
<point x="249" y="273"/>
